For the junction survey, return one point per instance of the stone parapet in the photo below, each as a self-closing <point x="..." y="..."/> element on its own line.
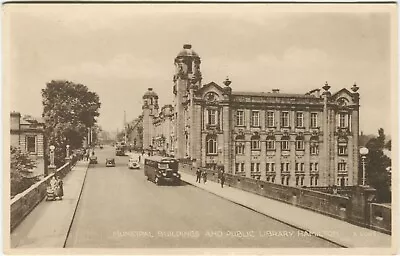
<point x="22" y="204"/>
<point x="363" y="213"/>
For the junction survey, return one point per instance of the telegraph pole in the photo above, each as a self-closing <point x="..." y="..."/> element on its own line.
<point x="125" y="126"/>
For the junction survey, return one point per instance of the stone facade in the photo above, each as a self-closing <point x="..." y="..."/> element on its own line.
<point x="27" y="134"/>
<point x="308" y="139"/>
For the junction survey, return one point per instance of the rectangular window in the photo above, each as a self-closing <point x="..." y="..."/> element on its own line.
<point x="268" y="167"/>
<point x="242" y="165"/>
<point x="299" y="119"/>
<point x="314" y="149"/>
<point x="296" y="167"/>
<point x="270" y="119"/>
<point x="258" y="167"/>
<point x="285" y="145"/>
<point x="282" y="167"/>
<point x="239" y="149"/>
<point x="31" y="144"/>
<point x="342" y="150"/>
<point x="270" y="145"/>
<point x="252" y="167"/>
<point x="341" y="167"/>
<point x="212" y="117"/>
<point x="255" y="118"/>
<point x="342" y="120"/>
<point x="311" y="167"/>
<point x="239" y="117"/>
<point x="314" y="120"/>
<point x="302" y="167"/>
<point x="316" y="167"/>
<point x="273" y="167"/>
<point x="287" y="167"/>
<point x="285" y="119"/>
<point x="255" y="145"/>
<point x="237" y="166"/>
<point x="299" y="145"/>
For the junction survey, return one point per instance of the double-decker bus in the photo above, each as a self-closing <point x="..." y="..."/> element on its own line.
<point x="120" y="149"/>
<point x="160" y="170"/>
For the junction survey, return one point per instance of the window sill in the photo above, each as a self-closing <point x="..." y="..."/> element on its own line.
<point x="255" y="126"/>
<point x="301" y="150"/>
<point x="271" y="149"/>
<point x="256" y="149"/>
<point x="212" y="154"/>
<point x="343" y="154"/>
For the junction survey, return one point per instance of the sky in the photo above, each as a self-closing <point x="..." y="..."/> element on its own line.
<point x="119" y="51"/>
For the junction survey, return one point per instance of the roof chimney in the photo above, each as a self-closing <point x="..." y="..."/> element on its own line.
<point x="187" y="46"/>
<point x="275" y="90"/>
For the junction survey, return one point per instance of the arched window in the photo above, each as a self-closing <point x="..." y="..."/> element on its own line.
<point x="285" y="143"/>
<point x="255" y="142"/>
<point x="211" y="142"/>
<point x="270" y="143"/>
<point x="239" y="145"/>
<point x="314" y="150"/>
<point x="299" y="143"/>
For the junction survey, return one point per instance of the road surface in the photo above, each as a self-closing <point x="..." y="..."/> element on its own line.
<point x="119" y="208"/>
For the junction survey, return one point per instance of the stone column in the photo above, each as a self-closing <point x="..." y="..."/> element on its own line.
<point x="227" y="146"/>
<point x="353" y="150"/>
<point x="248" y="155"/>
<point x="278" y="155"/>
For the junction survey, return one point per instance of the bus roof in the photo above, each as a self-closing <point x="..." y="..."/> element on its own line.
<point x="159" y="158"/>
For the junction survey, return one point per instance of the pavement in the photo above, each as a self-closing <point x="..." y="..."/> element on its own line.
<point x="311" y="223"/>
<point x="47" y="226"/>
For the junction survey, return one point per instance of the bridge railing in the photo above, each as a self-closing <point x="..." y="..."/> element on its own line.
<point x="358" y="208"/>
<point x="22" y="204"/>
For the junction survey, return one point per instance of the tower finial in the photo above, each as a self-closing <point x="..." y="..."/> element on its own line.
<point x="227" y="82"/>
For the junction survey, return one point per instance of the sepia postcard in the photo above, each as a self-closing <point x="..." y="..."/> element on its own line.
<point x="200" y="128"/>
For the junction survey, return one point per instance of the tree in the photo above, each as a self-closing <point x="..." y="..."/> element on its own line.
<point x="21" y="166"/>
<point x="69" y="109"/>
<point x="376" y="164"/>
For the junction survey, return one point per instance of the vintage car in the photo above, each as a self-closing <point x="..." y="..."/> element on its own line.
<point x="93" y="159"/>
<point x="110" y="162"/>
<point x="133" y="163"/>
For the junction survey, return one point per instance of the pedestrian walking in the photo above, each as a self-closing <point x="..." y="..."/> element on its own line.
<point x="198" y="175"/>
<point x="60" y="187"/>
<point x="222" y="179"/>
<point x="204" y="174"/>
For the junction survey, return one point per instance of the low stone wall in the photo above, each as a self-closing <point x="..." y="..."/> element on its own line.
<point x="22" y="204"/>
<point x="381" y="218"/>
<point x="333" y="205"/>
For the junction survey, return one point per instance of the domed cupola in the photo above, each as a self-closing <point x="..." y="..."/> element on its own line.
<point x="150" y="94"/>
<point x="187" y="64"/>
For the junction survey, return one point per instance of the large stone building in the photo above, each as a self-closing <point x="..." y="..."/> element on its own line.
<point x="27" y="134"/>
<point x="308" y="139"/>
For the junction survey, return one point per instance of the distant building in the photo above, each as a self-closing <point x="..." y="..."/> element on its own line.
<point x="27" y="133"/>
<point x="308" y="139"/>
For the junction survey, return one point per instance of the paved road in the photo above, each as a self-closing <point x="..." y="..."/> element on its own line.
<point x="120" y="208"/>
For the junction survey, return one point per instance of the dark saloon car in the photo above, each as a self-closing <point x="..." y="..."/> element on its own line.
<point x="110" y="162"/>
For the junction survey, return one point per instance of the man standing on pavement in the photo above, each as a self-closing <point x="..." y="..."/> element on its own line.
<point x="198" y="175"/>
<point x="204" y="176"/>
<point x="222" y="179"/>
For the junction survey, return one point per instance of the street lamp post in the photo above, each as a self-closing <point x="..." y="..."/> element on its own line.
<point x="52" y="166"/>
<point x="363" y="153"/>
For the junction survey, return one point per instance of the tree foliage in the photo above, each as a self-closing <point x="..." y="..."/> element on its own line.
<point x="68" y="110"/>
<point x="376" y="164"/>
<point x="21" y="166"/>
